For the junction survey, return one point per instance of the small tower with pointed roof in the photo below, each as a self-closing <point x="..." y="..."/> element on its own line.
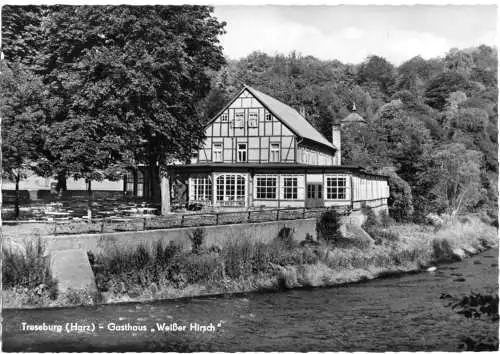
<point x="352" y="117"/>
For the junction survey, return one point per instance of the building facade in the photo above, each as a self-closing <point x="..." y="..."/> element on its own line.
<point x="259" y="152"/>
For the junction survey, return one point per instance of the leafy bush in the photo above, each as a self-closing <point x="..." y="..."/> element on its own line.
<point x="164" y="255"/>
<point x="401" y="204"/>
<point x="328" y="226"/>
<point x="371" y="219"/>
<point x="285" y="235"/>
<point x="385" y="218"/>
<point x="236" y="255"/>
<point x="442" y="250"/>
<point x="202" y="268"/>
<point x="74" y="297"/>
<point x="350" y="242"/>
<point x="380" y="235"/>
<point x="29" y="269"/>
<point x="309" y="241"/>
<point x="197" y="238"/>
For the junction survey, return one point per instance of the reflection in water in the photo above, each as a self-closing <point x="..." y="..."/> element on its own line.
<point x="395" y="314"/>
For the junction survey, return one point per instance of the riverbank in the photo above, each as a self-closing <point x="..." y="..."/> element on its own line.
<point x="245" y="266"/>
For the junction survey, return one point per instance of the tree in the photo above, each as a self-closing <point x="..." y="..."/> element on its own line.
<point x="459" y="61"/>
<point x="128" y="80"/>
<point x="457" y="172"/>
<point x="21" y="108"/>
<point x="440" y="88"/>
<point x="400" y="200"/>
<point x="377" y="70"/>
<point x="412" y="75"/>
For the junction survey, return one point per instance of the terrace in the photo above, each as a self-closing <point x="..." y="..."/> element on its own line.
<point x="62" y="221"/>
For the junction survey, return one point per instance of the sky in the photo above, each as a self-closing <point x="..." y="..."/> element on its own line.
<point x="351" y="33"/>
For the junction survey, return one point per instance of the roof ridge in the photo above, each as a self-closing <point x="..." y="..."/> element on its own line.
<point x="314" y="135"/>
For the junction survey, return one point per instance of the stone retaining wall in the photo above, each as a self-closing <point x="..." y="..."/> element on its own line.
<point x="214" y="235"/>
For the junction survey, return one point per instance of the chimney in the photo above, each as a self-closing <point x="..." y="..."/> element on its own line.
<point x="337" y="143"/>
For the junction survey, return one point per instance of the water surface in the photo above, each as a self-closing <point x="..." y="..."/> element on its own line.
<point x="394" y="314"/>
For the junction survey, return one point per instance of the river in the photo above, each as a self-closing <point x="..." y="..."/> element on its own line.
<point x="393" y="314"/>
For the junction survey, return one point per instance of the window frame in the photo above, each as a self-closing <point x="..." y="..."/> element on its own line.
<point x="221" y="152"/>
<point x="290" y="192"/>
<point x="253" y="118"/>
<point x="202" y="188"/>
<point x="274" y="150"/>
<point x="245" y="151"/>
<point x="230" y="187"/>
<point x="336" y="189"/>
<point x="224" y="117"/>
<point x="239" y="119"/>
<point x="266" y="190"/>
<point x="268" y="117"/>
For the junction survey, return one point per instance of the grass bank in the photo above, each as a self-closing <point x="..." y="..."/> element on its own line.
<point x="242" y="265"/>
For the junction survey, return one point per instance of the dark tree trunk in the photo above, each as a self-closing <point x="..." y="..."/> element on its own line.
<point x="61" y="186"/>
<point x="16" y="203"/>
<point x="135" y="183"/>
<point x="153" y="177"/>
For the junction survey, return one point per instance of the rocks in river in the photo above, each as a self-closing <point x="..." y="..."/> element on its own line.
<point x="432" y="269"/>
<point x="459" y="253"/>
<point x="469" y="250"/>
<point x="457" y="274"/>
<point x="459" y="279"/>
<point x="287" y="278"/>
<point x="477" y="262"/>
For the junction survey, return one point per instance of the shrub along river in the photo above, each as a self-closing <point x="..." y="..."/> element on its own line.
<point x="393" y="314"/>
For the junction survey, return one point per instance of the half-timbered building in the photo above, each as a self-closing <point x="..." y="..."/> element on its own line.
<point x="260" y="152"/>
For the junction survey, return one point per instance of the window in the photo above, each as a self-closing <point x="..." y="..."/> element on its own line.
<point x="239" y="118"/>
<point x="135" y="182"/>
<point x="230" y="188"/>
<point x="253" y="119"/>
<point x="290" y="188"/>
<point x="268" y="117"/>
<point x="274" y="152"/>
<point x="130" y="181"/>
<point x="266" y="187"/>
<point x="217" y="152"/>
<point x="225" y="117"/>
<point x="202" y="188"/>
<point x="242" y="152"/>
<point x="336" y="187"/>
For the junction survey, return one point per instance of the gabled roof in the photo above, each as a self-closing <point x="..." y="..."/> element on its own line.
<point x="286" y="114"/>
<point x="290" y="117"/>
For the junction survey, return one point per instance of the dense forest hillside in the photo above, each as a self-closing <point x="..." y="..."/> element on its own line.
<point x="431" y="124"/>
